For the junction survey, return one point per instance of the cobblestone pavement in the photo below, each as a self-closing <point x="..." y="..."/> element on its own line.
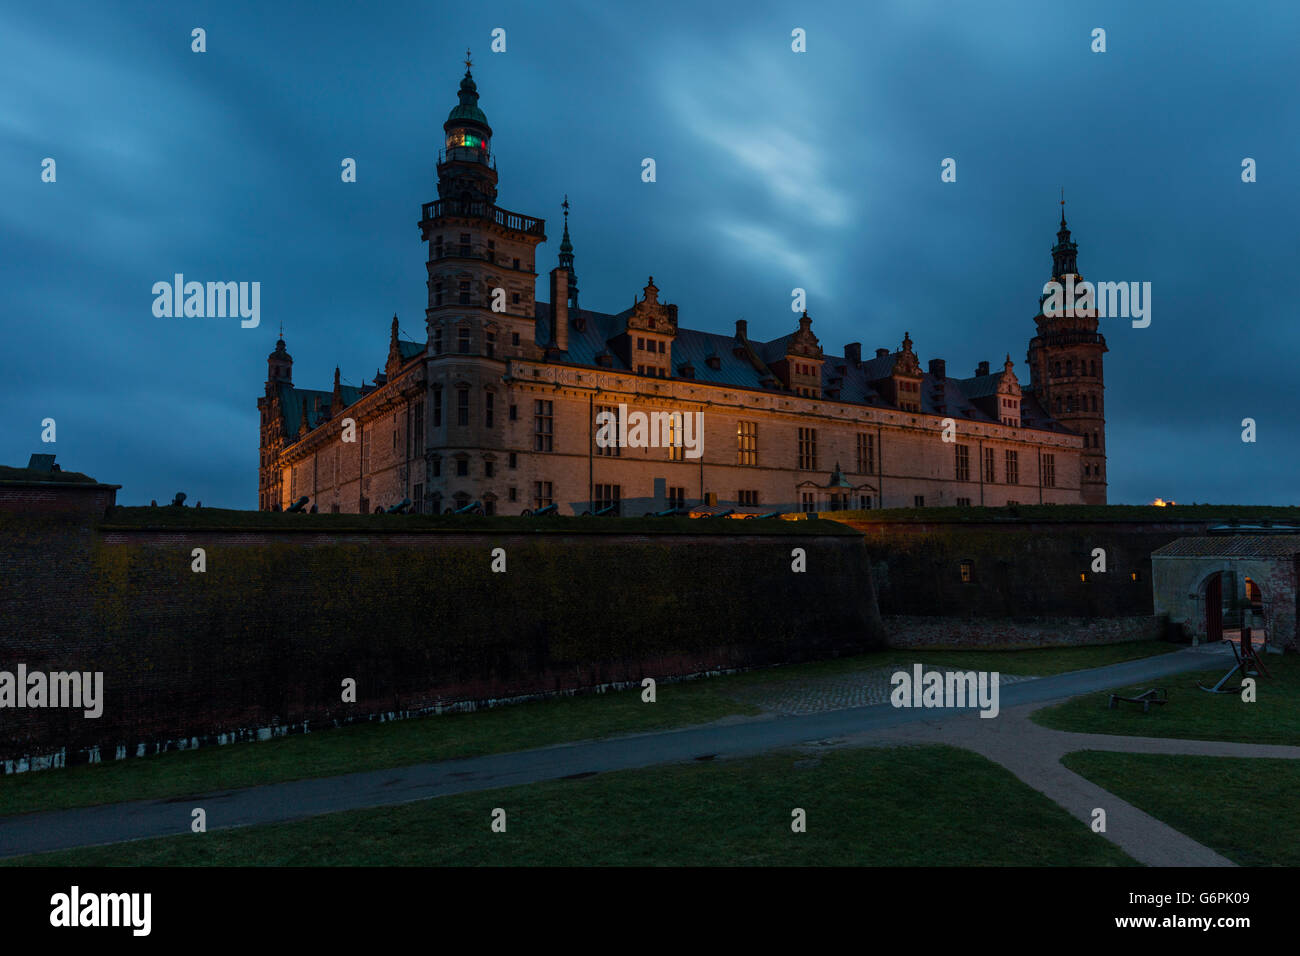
<point x="839" y="692"/>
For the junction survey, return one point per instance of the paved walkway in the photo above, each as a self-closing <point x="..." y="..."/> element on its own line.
<point x="1031" y="752"/>
<point x="815" y="695"/>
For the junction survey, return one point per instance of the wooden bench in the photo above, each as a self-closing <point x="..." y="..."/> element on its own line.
<point x="1156" y="695"/>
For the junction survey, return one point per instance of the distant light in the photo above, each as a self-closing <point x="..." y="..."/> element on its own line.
<point x="1161" y="503"/>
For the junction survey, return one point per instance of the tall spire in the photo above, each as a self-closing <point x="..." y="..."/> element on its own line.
<point x="1065" y="252"/>
<point x="566" y="247"/>
<point x="566" y="256"/>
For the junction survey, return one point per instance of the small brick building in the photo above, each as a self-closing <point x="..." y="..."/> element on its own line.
<point x="43" y="487"/>
<point x="1208" y="584"/>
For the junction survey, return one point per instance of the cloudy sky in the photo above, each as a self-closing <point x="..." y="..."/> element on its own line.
<point x="776" y="170"/>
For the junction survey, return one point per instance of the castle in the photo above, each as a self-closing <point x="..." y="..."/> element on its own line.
<point x="502" y="402"/>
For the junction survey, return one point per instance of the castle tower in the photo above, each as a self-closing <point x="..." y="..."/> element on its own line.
<point x="279" y="371"/>
<point x="481" y="307"/>
<point x="279" y="366"/>
<point x="1066" y="366"/>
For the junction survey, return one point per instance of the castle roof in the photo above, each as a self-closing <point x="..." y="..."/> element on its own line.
<point x="850" y="382"/>
<point x="292" y="397"/>
<point x="1232" y="546"/>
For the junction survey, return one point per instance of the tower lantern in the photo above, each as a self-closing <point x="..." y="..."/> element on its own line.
<point x="465" y="169"/>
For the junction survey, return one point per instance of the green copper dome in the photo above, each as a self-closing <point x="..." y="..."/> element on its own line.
<point x="467" y="111"/>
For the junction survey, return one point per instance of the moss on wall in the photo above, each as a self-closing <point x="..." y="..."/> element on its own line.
<point x="269" y="631"/>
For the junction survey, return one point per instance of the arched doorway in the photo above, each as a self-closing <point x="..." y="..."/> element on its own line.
<point x="1230" y="610"/>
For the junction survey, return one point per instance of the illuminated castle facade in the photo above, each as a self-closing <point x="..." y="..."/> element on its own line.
<point x="499" y="403"/>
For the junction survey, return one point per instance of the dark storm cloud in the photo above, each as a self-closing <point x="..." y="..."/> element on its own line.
<point x="775" y="170"/>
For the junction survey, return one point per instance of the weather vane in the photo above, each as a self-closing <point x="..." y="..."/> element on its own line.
<point x="468" y="63"/>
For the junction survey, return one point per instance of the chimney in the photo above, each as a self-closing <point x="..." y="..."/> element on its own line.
<point x="983" y="369"/>
<point x="560" y="308"/>
<point x="853" y="352"/>
<point x="742" y="329"/>
<point x="939" y="369"/>
<point x="881" y="353"/>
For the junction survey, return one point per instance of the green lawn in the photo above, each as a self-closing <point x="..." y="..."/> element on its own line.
<point x="374" y="746"/>
<point x="1242" y="807"/>
<point x="920" y="806"/>
<point x="1274" y="717"/>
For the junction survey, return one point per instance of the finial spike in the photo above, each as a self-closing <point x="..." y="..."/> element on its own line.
<point x="468" y="62"/>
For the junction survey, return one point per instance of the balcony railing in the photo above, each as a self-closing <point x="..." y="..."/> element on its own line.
<point x="465" y="154"/>
<point x="483" y="210"/>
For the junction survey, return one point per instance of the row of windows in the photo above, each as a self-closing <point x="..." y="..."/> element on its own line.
<point x="462" y="341"/>
<point x="463" y="295"/>
<point x="835" y="502"/>
<point x="464" y="248"/>
<point x="1076" y="403"/>
<point x="462" y="410"/>
<point x="1088" y="367"/>
<point x="1010" y="464"/>
<point x="746" y="441"/>
<point x="460" y="465"/>
<point x="648" y="345"/>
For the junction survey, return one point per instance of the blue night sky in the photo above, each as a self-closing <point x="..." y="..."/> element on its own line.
<point x="819" y="170"/>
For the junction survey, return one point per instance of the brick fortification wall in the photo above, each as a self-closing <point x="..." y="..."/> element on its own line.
<point x="265" y="636"/>
<point x="1031" y="579"/>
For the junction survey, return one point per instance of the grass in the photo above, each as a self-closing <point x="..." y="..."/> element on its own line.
<point x="210" y="519"/>
<point x="374" y="746"/>
<point x="1237" y="806"/>
<point x="916" y="806"/>
<point x="1274" y="717"/>
<point x="10" y="473"/>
